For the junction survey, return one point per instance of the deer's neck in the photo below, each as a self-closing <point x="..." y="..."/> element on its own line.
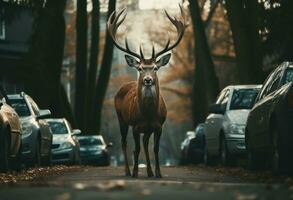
<point x="148" y="99"/>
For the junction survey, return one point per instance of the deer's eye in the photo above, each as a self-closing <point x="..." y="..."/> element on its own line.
<point x="139" y="69"/>
<point x="156" y="68"/>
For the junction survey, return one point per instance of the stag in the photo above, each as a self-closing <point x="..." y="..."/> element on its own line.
<point x="139" y="103"/>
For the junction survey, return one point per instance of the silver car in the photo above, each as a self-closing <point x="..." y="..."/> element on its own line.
<point x="225" y="125"/>
<point x="36" y="135"/>
<point x="65" y="147"/>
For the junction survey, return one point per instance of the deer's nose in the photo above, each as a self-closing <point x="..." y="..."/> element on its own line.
<point x="148" y="80"/>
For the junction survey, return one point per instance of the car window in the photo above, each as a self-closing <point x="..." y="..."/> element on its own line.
<point x="225" y="100"/>
<point x="34" y="106"/>
<point x="266" y="86"/>
<point x="288" y="75"/>
<point x="58" y="127"/>
<point x="275" y="83"/>
<point x="243" y="98"/>
<point x="20" y="106"/>
<point x="221" y="96"/>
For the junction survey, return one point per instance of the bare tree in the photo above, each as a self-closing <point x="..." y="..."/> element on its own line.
<point x="205" y="85"/>
<point x="81" y="62"/>
<point x="104" y="75"/>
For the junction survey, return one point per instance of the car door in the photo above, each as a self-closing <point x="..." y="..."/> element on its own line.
<point x="258" y="115"/>
<point x="267" y="104"/>
<point x="45" y="131"/>
<point x="214" y="123"/>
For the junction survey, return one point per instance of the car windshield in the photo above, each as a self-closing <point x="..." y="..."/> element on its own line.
<point x="58" y="128"/>
<point x="289" y="75"/>
<point x="90" y="141"/>
<point x="243" y="98"/>
<point x="20" y="107"/>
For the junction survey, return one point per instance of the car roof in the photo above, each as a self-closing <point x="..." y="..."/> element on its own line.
<point x="15" y="96"/>
<point x="90" y="136"/>
<point x="55" y="120"/>
<point x="244" y="86"/>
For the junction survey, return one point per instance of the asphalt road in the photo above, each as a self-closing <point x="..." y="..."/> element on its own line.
<point x="177" y="183"/>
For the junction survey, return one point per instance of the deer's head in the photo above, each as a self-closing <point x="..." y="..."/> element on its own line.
<point x="147" y="67"/>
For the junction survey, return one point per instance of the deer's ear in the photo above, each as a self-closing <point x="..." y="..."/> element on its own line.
<point x="163" y="60"/>
<point x="131" y="61"/>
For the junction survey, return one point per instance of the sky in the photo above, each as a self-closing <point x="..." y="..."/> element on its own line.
<point x="158" y="4"/>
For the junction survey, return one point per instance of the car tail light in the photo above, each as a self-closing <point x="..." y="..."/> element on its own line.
<point x="290" y="99"/>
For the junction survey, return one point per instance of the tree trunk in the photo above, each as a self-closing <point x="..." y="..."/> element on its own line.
<point x="246" y="40"/>
<point x="93" y="64"/>
<point x="104" y="76"/>
<point x="43" y="70"/>
<point x="81" y="62"/>
<point x="205" y="87"/>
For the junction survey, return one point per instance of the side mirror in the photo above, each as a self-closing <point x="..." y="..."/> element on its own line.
<point x="76" y="132"/>
<point x="110" y="144"/>
<point x="44" y="114"/>
<point x="217" y="109"/>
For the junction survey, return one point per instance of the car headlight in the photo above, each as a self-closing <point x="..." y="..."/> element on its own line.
<point x="237" y="129"/>
<point x="26" y="128"/>
<point x="66" y="145"/>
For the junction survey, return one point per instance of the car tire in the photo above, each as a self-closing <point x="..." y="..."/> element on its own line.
<point x="4" y="152"/>
<point x="278" y="155"/>
<point x="77" y="158"/>
<point x="226" y="159"/>
<point x="36" y="162"/>
<point x="255" y="160"/>
<point x="16" y="161"/>
<point x="47" y="160"/>
<point x="207" y="160"/>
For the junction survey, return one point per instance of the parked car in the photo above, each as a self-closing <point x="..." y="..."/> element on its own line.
<point x="94" y="150"/>
<point x="10" y="136"/>
<point x="269" y="126"/>
<point x="65" y="148"/>
<point x="225" y="125"/>
<point x="36" y="134"/>
<point x="192" y="148"/>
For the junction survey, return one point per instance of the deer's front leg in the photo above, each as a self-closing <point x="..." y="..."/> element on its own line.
<point x="157" y="136"/>
<point x="146" y="138"/>
<point x="136" y="137"/>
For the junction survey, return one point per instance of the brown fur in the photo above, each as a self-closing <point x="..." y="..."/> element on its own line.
<point x="145" y="114"/>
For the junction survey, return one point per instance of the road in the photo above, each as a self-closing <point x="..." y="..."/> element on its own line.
<point x="178" y="183"/>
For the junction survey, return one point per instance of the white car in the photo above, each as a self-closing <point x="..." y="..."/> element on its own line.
<point x="225" y="125"/>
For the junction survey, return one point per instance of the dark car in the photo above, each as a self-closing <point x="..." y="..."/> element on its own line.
<point x="94" y="150"/>
<point x="192" y="148"/>
<point x="36" y="134"/>
<point x="269" y="138"/>
<point x="10" y="136"/>
<point x="65" y="148"/>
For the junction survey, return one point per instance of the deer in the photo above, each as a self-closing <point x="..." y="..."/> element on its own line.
<point x="139" y="104"/>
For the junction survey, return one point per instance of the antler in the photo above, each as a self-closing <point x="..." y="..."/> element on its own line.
<point x="113" y="24"/>
<point x="180" y="27"/>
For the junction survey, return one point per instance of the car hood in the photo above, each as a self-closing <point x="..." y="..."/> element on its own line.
<point x="60" y="138"/>
<point x="92" y="147"/>
<point x="26" y="119"/>
<point x="238" y="116"/>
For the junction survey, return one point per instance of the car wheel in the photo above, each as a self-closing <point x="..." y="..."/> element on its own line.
<point x="225" y="157"/>
<point x="4" y="152"/>
<point x="278" y="157"/>
<point x="47" y="160"/>
<point x="16" y="161"/>
<point x="256" y="161"/>
<point x="206" y="158"/>
<point x="37" y="159"/>
<point x="77" y="158"/>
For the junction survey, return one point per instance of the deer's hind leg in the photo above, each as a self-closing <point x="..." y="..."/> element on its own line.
<point x="146" y="138"/>
<point x="124" y="131"/>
